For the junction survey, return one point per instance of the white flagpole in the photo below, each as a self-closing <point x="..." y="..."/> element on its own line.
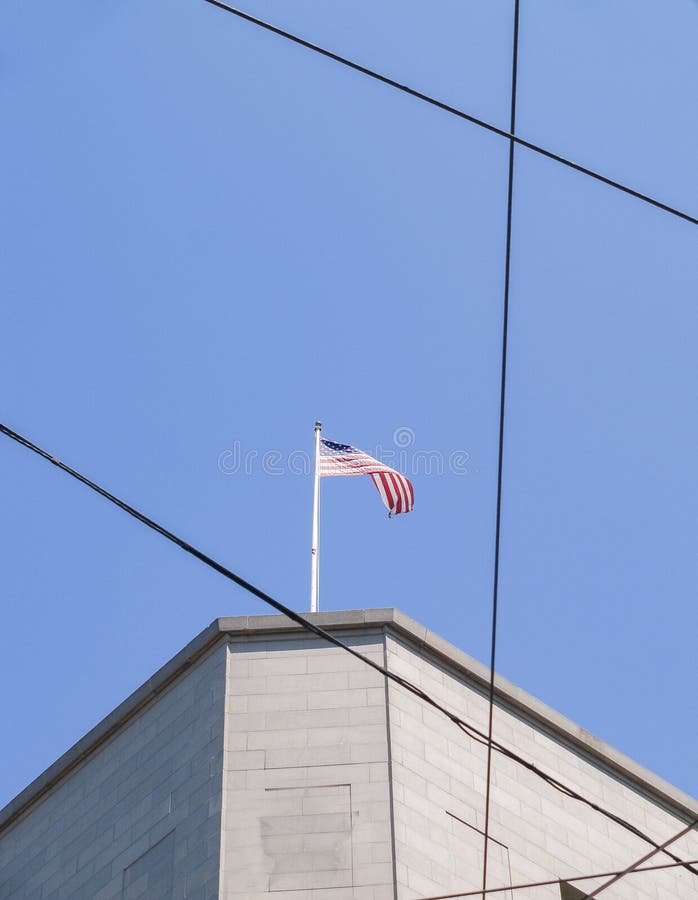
<point x="315" y="550"/>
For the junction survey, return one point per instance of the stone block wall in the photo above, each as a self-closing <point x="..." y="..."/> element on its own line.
<point x="536" y="833"/>
<point x="306" y="808"/>
<point x="278" y="766"/>
<point x="140" y="817"/>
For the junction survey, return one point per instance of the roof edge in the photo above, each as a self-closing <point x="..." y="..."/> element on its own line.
<point x="109" y="725"/>
<point x="226" y="627"/>
<point x="557" y="725"/>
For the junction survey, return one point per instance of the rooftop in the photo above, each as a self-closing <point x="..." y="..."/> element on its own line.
<point x="371" y="620"/>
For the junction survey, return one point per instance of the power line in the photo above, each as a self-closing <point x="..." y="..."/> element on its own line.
<point x="426" y="98"/>
<point x="513" y="140"/>
<point x="307" y="625"/>
<point x="639" y="862"/>
<point x="500" y="458"/>
<point x="568" y="880"/>
<point x="470" y="730"/>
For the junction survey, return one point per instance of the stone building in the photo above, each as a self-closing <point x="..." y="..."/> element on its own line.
<point x="261" y="761"/>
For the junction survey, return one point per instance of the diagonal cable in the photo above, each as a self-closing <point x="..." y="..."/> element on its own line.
<point x="432" y="101"/>
<point x="639" y="862"/>
<point x="553" y="881"/>
<point x="470" y="730"/>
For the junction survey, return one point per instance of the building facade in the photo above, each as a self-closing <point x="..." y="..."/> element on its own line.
<point x="263" y="762"/>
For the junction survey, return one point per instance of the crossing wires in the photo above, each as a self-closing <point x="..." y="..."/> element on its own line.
<point x="452" y="110"/>
<point x="473" y="733"/>
<point x="639" y="862"/>
<point x="470" y="730"/>
<point x="570" y="879"/>
<point x="513" y="140"/>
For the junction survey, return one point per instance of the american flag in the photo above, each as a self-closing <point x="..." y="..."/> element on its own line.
<point x="341" y="459"/>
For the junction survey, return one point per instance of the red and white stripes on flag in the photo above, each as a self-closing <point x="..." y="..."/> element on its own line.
<point x="341" y="459"/>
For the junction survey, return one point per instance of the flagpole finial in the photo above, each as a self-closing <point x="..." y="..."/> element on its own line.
<point x="318" y="426"/>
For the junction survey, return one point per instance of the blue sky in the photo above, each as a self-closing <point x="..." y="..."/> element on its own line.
<point x="212" y="237"/>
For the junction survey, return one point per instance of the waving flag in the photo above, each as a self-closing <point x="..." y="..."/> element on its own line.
<point x="341" y="459"/>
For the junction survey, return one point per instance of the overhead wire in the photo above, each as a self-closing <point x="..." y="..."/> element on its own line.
<point x="631" y="868"/>
<point x="500" y="453"/>
<point x="470" y="730"/>
<point x="513" y="141"/>
<point x="569" y="879"/>
<point x="432" y="101"/>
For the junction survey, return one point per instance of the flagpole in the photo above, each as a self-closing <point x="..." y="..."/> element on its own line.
<point x="315" y="549"/>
